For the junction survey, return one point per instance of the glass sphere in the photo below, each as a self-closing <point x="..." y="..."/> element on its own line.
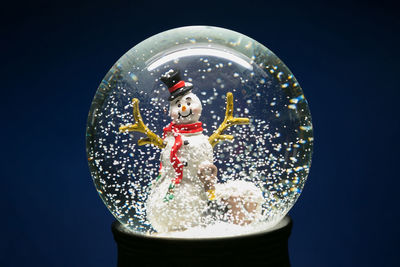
<point x="239" y="170"/>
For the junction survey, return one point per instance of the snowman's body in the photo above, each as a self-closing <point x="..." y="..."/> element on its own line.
<point x="190" y="200"/>
<point x="184" y="159"/>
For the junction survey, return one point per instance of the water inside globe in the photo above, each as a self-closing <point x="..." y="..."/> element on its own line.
<point x="272" y="152"/>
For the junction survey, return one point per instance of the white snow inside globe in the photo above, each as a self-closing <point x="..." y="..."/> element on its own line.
<point x="199" y="132"/>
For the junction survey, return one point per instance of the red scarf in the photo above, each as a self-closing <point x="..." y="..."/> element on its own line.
<point x="176" y="129"/>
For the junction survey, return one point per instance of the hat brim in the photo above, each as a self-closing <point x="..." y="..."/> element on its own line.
<point x="180" y="91"/>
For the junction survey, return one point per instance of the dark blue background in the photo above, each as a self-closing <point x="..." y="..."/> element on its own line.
<point x="344" y="54"/>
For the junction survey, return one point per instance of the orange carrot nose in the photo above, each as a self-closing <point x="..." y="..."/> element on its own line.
<point x="183" y="108"/>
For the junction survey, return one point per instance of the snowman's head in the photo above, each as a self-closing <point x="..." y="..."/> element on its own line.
<point x="185" y="109"/>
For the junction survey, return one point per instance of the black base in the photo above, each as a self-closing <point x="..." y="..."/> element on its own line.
<point x="262" y="249"/>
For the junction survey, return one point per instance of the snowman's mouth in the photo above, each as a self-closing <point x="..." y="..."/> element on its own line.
<point x="184" y="116"/>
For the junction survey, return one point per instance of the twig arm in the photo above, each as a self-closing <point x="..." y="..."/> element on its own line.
<point x="229" y="121"/>
<point x="139" y="126"/>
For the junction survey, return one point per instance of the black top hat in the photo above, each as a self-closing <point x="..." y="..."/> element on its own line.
<point x="176" y="86"/>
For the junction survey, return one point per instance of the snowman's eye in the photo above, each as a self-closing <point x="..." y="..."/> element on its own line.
<point x="179" y="105"/>
<point x="188" y="103"/>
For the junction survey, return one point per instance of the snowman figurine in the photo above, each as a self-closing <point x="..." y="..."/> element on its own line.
<point x="186" y="191"/>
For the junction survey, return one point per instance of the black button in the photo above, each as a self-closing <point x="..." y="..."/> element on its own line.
<point x="186" y="142"/>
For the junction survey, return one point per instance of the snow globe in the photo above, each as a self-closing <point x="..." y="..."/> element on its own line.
<point x="199" y="133"/>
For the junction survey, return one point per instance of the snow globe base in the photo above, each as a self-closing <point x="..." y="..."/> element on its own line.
<point x="269" y="248"/>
